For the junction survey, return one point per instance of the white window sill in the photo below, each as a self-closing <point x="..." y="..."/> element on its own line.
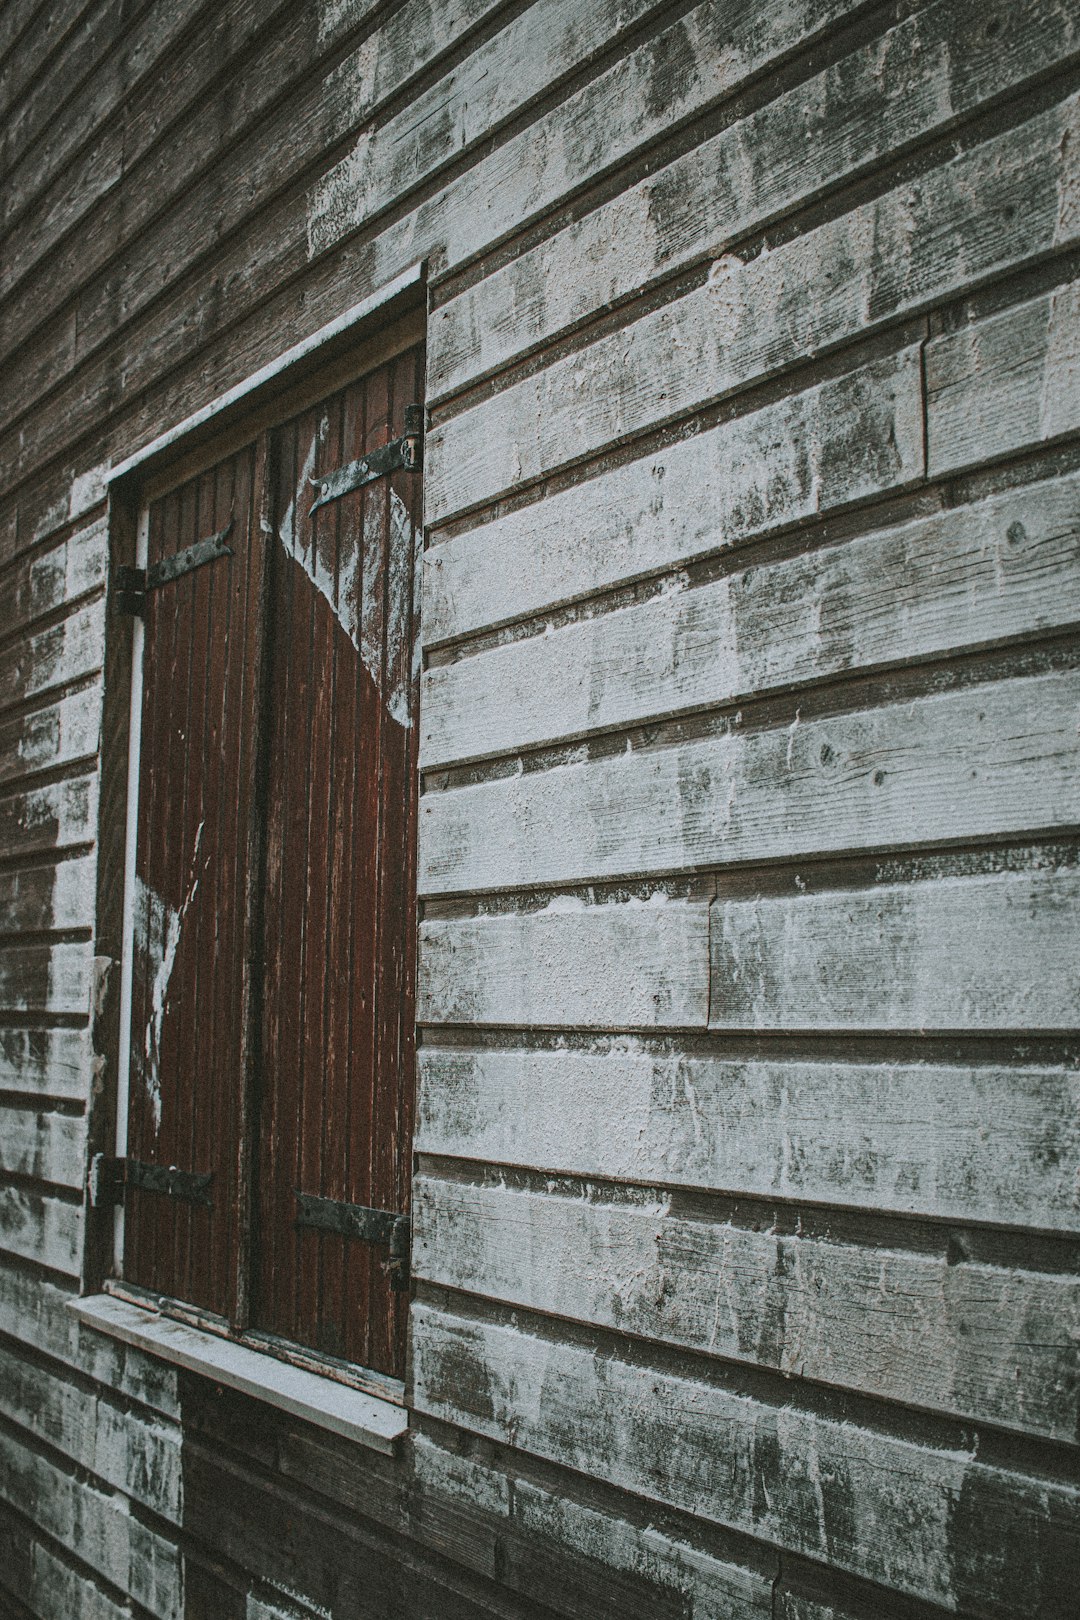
<point x="349" y="1412"/>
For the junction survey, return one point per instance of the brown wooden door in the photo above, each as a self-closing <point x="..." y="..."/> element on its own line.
<point x="275" y="880"/>
<point x="194" y="810"/>
<point x="339" y="925"/>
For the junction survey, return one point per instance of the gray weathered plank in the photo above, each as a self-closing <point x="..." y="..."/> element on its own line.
<point x="62" y="733"/>
<point x="48" y="1062"/>
<point x="33" y="1227"/>
<point x="110" y="1540"/>
<point x="49" y="818"/>
<point x="33" y="1312"/>
<point x="1002" y="383"/>
<point x="891" y="257"/>
<point x="38" y="898"/>
<point x="45" y="978"/>
<point x="912" y="82"/>
<point x="831" y="446"/>
<point x="705" y="1587"/>
<point x="964" y="764"/>
<point x="131" y="1451"/>
<point x="972" y="1142"/>
<point x="985" y="953"/>
<point x="1004" y="567"/>
<point x="65" y="652"/>
<point x="40" y="584"/>
<point x="623" y="965"/>
<point x="974" y="1341"/>
<point x="497" y="80"/>
<point x="931" y="1522"/>
<point x="43" y="1145"/>
<point x="679" y="72"/>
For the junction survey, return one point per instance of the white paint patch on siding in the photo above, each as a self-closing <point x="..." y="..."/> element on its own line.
<point x="353" y="596"/>
<point x="88" y="489"/>
<point x="157" y="938"/>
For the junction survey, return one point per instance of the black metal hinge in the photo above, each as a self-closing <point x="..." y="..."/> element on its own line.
<point x="110" y="1178"/>
<point x="368" y="1225"/>
<point x="402" y="455"/>
<point x="130" y="585"/>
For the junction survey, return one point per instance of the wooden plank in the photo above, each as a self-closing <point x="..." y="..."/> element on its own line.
<point x="33" y="1227"/>
<point x="749" y="321"/>
<point x="34" y="1312"/>
<point x="43" y="1146"/>
<point x="131" y="1451"/>
<point x="630" y="965"/>
<point x="621" y="1558"/>
<point x="47" y="1062"/>
<point x="698" y="61"/>
<point x="971" y="953"/>
<point x="49" y="818"/>
<point x="979" y="1342"/>
<point x="40" y="584"/>
<point x="63" y="733"/>
<point x="199" y="132"/>
<point x="1005" y="383"/>
<point x="529" y="57"/>
<point x="965" y="764"/>
<point x="55" y="1586"/>
<point x="36" y="899"/>
<point x="966" y="577"/>
<point x="818" y="451"/>
<point x="956" y="1141"/>
<point x="67" y="651"/>
<point x="912" y="82"/>
<point x="169" y="333"/>
<point x="45" y="978"/>
<point x="97" y="32"/>
<point x="110" y="1540"/>
<point x="935" y="1523"/>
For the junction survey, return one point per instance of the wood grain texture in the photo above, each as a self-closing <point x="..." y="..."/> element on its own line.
<point x="36" y="1227"/>
<point x="35" y="899"/>
<point x="49" y="1583"/>
<point x="980" y="954"/>
<point x="65" y="652"/>
<point x="967" y="764"/>
<point x="910" y="83"/>
<point x="885" y="259"/>
<point x="617" y="966"/>
<point x="135" y="1453"/>
<point x="44" y="581"/>
<point x="935" y="1523"/>
<point x="1003" y="568"/>
<point x="33" y="1313"/>
<point x="61" y="734"/>
<point x="680" y="1577"/>
<point x="45" y="978"/>
<point x="47" y="1062"/>
<point x="111" y="1541"/>
<point x="43" y="1146"/>
<point x="975" y="1341"/>
<point x="813" y="453"/>
<point x="966" y="1141"/>
<point x="1004" y="383"/>
<point x="49" y="818"/>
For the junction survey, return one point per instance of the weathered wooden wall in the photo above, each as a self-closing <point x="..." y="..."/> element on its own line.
<point x="747" y="1213"/>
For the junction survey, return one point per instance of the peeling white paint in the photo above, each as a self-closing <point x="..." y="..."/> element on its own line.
<point x="377" y="624"/>
<point x="156" y="939"/>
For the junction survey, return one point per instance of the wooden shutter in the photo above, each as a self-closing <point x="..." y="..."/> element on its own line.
<point x="336" y="1079"/>
<point x="194" y="812"/>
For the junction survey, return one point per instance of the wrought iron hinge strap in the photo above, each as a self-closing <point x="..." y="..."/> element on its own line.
<point x="358" y="1221"/>
<point x="110" y="1178"/>
<point x="132" y="584"/>
<point x="402" y="455"/>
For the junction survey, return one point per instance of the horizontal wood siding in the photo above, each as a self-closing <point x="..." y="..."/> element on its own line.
<point x="746" y="1220"/>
